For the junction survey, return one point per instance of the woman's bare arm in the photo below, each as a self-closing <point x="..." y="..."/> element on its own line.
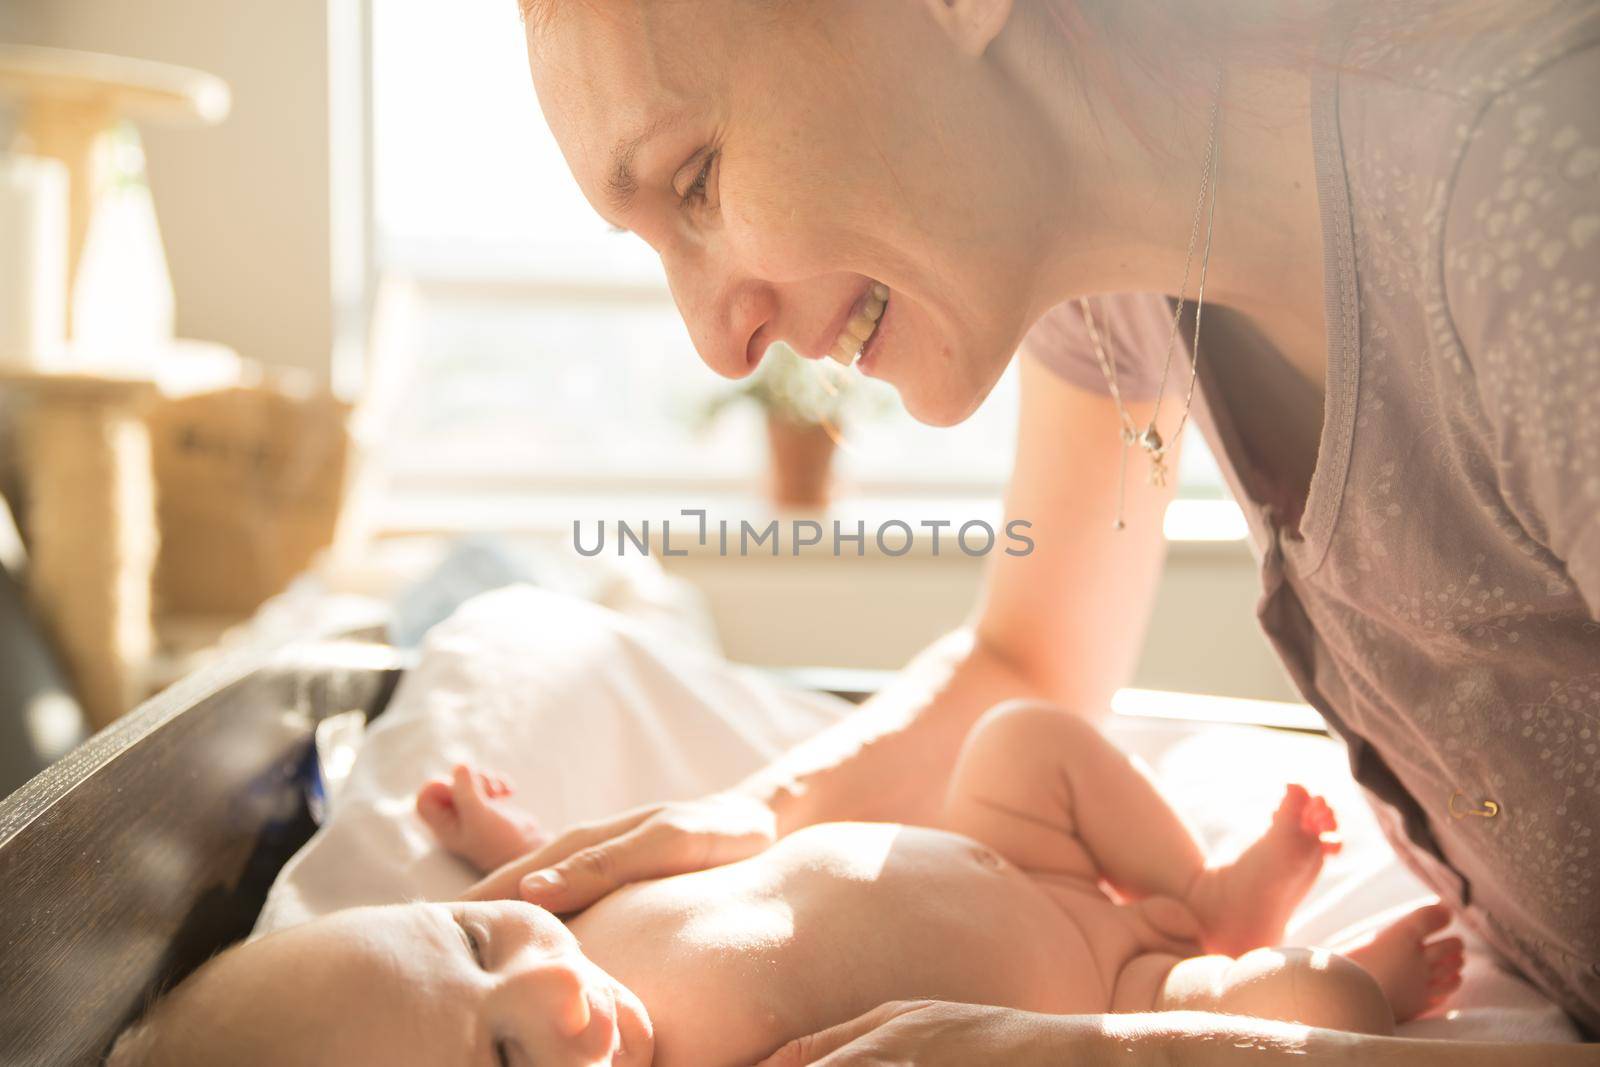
<point x="1064" y="623"/>
<point x="889" y="761"/>
<point x="1073" y="614"/>
<point x="939" y="1034"/>
<point x="1185" y="1039"/>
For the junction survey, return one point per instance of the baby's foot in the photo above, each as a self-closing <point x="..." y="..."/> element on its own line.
<point x="1247" y="903"/>
<point x="1416" y="974"/>
<point x="470" y="816"/>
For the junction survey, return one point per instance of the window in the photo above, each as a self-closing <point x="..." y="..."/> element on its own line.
<point x="535" y="345"/>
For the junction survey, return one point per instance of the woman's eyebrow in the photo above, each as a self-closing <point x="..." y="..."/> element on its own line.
<point x="622" y="183"/>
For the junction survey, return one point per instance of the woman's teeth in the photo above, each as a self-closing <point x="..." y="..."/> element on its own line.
<point x="858" y="331"/>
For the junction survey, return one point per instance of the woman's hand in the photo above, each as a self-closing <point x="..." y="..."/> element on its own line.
<point x="934" y="1033"/>
<point x="923" y="1033"/>
<point x="591" y="860"/>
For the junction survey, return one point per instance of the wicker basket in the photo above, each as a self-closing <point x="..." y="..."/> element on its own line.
<point x="249" y="484"/>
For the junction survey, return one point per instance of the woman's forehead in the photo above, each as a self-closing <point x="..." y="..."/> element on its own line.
<point x="600" y="56"/>
<point x="609" y="72"/>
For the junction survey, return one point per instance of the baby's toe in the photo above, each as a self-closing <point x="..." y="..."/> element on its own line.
<point x="1443" y="949"/>
<point x="1430" y="919"/>
<point x="1293" y="803"/>
<point x="473" y="785"/>
<point x="468" y="786"/>
<point x="1291" y="810"/>
<point x="1317" y="818"/>
<point x="1444" y="959"/>
<point x="436" y="807"/>
<point x="1443" y="982"/>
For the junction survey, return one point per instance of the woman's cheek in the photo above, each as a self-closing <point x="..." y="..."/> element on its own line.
<point x="776" y="244"/>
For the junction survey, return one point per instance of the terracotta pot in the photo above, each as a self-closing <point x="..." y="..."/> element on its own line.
<point x="802" y="463"/>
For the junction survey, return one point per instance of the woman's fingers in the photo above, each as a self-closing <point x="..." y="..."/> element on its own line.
<point x="815" y="1047"/>
<point x="650" y="851"/>
<point x="586" y="863"/>
<point x="657" y="848"/>
<point x="504" y="883"/>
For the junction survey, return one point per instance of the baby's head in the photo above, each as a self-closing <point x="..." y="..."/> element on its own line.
<point x="492" y="984"/>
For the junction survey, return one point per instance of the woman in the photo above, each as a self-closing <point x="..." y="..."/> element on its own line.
<point x="1381" y="225"/>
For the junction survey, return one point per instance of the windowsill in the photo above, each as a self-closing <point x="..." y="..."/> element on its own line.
<point x="1129" y="703"/>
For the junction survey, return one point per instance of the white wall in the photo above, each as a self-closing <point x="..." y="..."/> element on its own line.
<point x="245" y="207"/>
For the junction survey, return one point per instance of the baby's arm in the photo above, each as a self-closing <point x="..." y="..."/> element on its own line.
<point x="1046" y="790"/>
<point x="472" y="816"/>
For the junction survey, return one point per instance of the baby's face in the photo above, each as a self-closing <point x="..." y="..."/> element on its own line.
<point x="491" y="984"/>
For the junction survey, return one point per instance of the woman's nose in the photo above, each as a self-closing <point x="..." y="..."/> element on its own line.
<point x="728" y="317"/>
<point x="551" y="990"/>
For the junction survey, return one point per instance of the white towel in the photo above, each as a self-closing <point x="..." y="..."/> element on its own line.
<point x="586" y="711"/>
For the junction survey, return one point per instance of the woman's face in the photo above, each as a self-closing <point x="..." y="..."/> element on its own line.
<point x="785" y="156"/>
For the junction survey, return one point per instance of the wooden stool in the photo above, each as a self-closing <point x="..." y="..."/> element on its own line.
<point x="88" y="514"/>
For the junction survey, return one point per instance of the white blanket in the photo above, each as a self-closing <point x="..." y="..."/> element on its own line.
<point x="589" y="713"/>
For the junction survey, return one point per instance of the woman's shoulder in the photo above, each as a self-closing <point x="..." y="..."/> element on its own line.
<point x="1522" y="214"/>
<point x="1472" y="156"/>
<point x="1411" y="92"/>
<point x="1470" y="53"/>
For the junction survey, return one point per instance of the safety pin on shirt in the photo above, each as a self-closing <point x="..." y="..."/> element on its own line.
<point x="1485" y="809"/>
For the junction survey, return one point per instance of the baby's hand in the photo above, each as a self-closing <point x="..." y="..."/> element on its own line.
<point x="470" y="815"/>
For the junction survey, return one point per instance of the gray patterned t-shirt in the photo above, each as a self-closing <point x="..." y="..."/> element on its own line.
<point x="1439" y="600"/>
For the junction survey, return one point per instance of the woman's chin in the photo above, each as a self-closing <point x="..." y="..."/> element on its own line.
<point x="942" y="378"/>
<point x="942" y="403"/>
<point x="937" y="411"/>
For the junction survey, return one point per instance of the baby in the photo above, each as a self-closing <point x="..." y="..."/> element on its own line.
<point x="1061" y="882"/>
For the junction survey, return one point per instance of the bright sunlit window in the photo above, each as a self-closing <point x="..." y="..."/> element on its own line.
<point x="525" y="342"/>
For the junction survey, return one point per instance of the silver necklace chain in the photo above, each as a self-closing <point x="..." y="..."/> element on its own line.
<point x="1150" y="439"/>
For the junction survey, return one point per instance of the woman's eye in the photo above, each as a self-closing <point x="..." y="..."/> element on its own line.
<point x="697" y="189"/>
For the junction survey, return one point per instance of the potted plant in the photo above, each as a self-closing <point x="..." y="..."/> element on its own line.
<point x="806" y="405"/>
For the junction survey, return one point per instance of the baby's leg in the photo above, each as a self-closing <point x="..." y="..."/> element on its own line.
<point x="471" y="817"/>
<point x="1396" y="976"/>
<point x="1044" y="789"/>
<point x="1047" y="791"/>
<point x="1298" y="985"/>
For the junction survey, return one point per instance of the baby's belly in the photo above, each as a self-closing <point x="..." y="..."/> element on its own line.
<point x="839" y="918"/>
<point x="949" y="919"/>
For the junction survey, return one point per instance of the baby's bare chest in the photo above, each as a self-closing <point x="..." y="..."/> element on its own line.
<point x="833" y="922"/>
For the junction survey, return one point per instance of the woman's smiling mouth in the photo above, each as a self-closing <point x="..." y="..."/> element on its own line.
<point x="860" y="325"/>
